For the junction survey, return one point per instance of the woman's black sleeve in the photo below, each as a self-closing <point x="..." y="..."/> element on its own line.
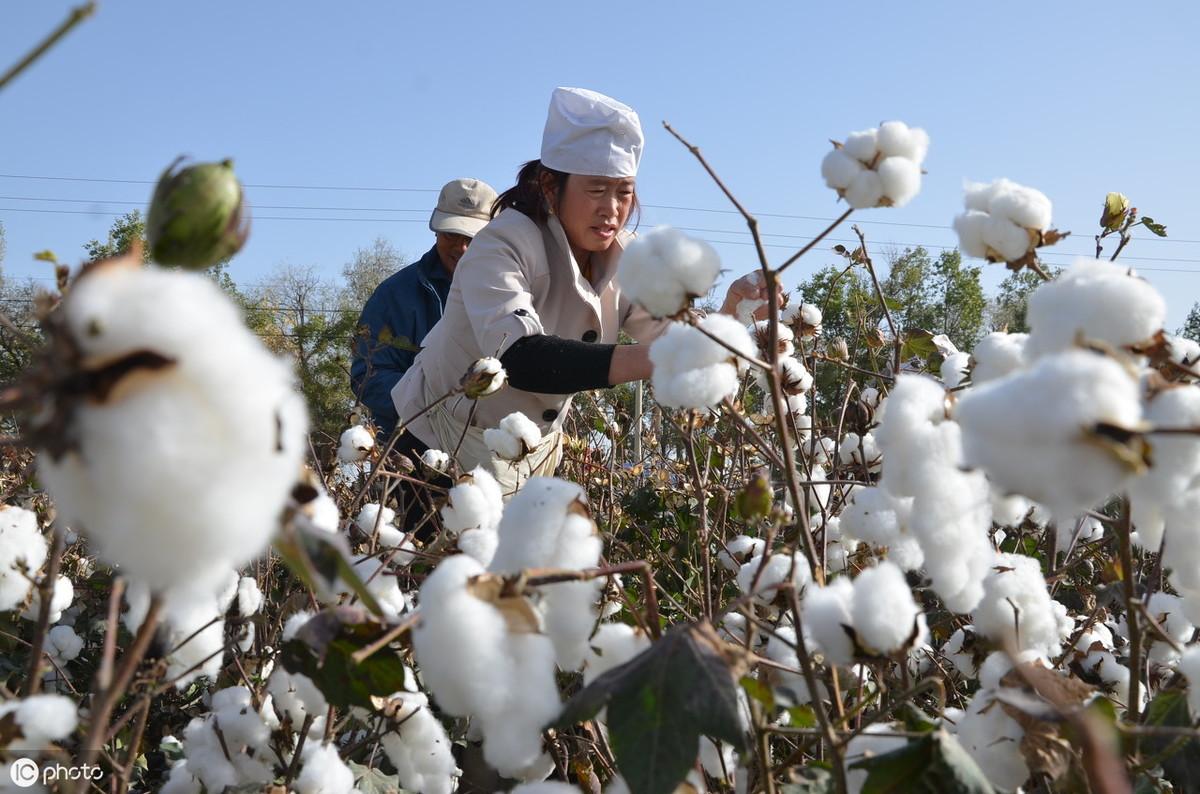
<point x="554" y="365"/>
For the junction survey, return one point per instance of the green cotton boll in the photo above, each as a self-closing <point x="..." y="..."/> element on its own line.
<point x="197" y="217"/>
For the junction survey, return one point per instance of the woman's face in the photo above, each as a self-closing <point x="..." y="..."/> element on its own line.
<point x="592" y="209"/>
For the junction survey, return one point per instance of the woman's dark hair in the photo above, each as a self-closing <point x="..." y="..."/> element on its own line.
<point x="527" y="197"/>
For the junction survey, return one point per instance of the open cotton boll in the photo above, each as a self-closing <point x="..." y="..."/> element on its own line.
<point x="1183" y="351"/>
<point x="805" y="318"/>
<point x="1004" y="239"/>
<point x="664" y="269"/>
<point x="249" y="596"/>
<point x="1098" y="300"/>
<point x="1167" y="609"/>
<point x="1032" y="431"/>
<point x="900" y="179"/>
<point x="828" y="612"/>
<point x="41" y="719"/>
<point x="969" y="227"/>
<point x="373" y="516"/>
<point x="738" y="550"/>
<point x="436" y="459"/>
<point x="996" y="355"/>
<point x="182" y="468"/>
<point x="839" y="169"/>
<point x="691" y="370"/>
<point x="876" y="516"/>
<point x="322" y="771"/>
<point x="512" y="737"/>
<point x="784" y="338"/>
<point x="476" y="502"/>
<point x="1003" y="198"/>
<point x="514" y="438"/>
<point x="897" y="139"/>
<point x="993" y="739"/>
<point x="355" y="444"/>
<point x="295" y="696"/>
<point x="789" y="687"/>
<point x="838" y="545"/>
<point x="860" y="451"/>
<point x="913" y="433"/>
<point x="22" y="554"/>
<point x="863" y="145"/>
<point x="955" y="368"/>
<point x="60" y="599"/>
<point x="865" y="191"/>
<point x="611" y="646"/>
<point x="883" y="610"/>
<point x="420" y="749"/>
<point x="779" y="568"/>
<point x="63" y="644"/>
<point x="1016" y="608"/>
<point x="381" y="584"/>
<point x="480" y="544"/>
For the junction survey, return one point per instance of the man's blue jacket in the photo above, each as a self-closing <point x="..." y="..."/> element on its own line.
<point x="407" y="304"/>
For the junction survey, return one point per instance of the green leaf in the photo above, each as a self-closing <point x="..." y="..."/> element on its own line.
<point x="760" y="691"/>
<point x="935" y="762"/>
<point x="371" y="781"/>
<point x="662" y="701"/>
<point x="324" y="647"/>
<point x="1179" y="756"/>
<point x="46" y="256"/>
<point x="803" y="716"/>
<point x="916" y="720"/>
<point x="917" y="342"/>
<point x="1156" y="228"/>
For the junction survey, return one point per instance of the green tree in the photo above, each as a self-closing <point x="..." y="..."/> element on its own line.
<point x="938" y="295"/>
<point x="121" y="235"/>
<point x="370" y="266"/>
<point x="849" y="311"/>
<point x="1191" y="326"/>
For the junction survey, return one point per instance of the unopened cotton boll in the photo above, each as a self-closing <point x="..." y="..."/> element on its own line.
<point x="22" y="553"/>
<point x="997" y="355"/>
<point x="355" y="444"/>
<point x="691" y="370"/>
<point x="514" y="438"/>
<point x="664" y="269"/>
<point x="884" y="613"/>
<point x="1016" y="608"/>
<point x="1097" y="300"/>
<point x="828" y="612"/>
<point x="1033" y="431"/>
<point x="184" y="465"/>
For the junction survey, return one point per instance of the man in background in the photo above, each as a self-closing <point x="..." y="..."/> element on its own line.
<point x="406" y="305"/>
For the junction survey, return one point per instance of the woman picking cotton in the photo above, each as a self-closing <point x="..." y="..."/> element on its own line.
<point x="538" y="289"/>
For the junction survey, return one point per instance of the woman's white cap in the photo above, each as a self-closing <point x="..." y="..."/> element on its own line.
<point x="590" y="134"/>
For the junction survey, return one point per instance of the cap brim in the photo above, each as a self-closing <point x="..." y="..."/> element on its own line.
<point x="456" y="224"/>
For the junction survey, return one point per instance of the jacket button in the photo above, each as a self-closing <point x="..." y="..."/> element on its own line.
<point x="589" y="335"/>
<point x="549" y="415"/>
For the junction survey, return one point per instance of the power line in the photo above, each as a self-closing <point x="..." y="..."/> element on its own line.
<point x="245" y="184"/>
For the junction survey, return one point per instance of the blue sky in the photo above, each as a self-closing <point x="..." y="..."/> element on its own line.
<point x="1075" y="99"/>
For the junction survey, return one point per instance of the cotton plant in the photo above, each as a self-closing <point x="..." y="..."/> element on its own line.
<point x="1003" y="221"/>
<point x="692" y="369"/>
<point x="514" y="438"/>
<point x="663" y="270"/>
<point x="472" y="513"/>
<point x="878" y="167"/>
<point x="355" y="444"/>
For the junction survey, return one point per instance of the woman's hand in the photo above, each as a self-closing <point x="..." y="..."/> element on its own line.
<point x="750" y="287"/>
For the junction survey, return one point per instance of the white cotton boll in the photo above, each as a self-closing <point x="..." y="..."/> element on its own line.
<point x="476" y="502"/>
<point x="822" y="451"/>
<point x="480" y="544"/>
<point x="785" y="338"/>
<point x="871" y="742"/>
<point x="1167" y="609"/>
<point x="876" y="516"/>
<point x="570" y="607"/>
<point x="691" y="370"/>
<point x="883" y="610"/>
<point x="794" y="379"/>
<point x="839" y="169"/>
<point x="828" y="612"/>
<point x="865" y="191"/>
<point x="63" y="644"/>
<point x="1024" y="206"/>
<point x="513" y="737"/>
<point x="1009" y="241"/>
<point x="322" y="513"/>
<point x="789" y="687"/>
<point x="862" y="146"/>
<point x="533" y="524"/>
<point x="181" y="781"/>
<point x="838" y="545"/>
<point x="779" y="568"/>
<point x="1098" y="300"/>
<point x="41" y="719"/>
<point x="1167" y="491"/>
<point x="205" y="757"/>
<point x="355" y="444"/>
<point x="664" y="269"/>
<point x="1189" y="665"/>
<point x="514" y="438"/>
<point x="954" y="369"/>
<point x="1009" y="511"/>
<point x="22" y="553"/>
<point x="897" y="139"/>
<point x="381" y="584"/>
<point x="249" y="596"/>
<point x="295" y="696"/>
<point x="295" y="622"/>
<point x="1029" y="431"/>
<point x="1183" y="351"/>
<point x="240" y="723"/>
<point x="805" y="317"/>
<point x="436" y="459"/>
<point x="951" y="519"/>
<point x="611" y="646"/>
<point x="993" y="739"/>
<point x="718" y="760"/>
<point x="322" y="771"/>
<point x="900" y="179"/>
<point x="420" y="749"/>
<point x="60" y="599"/>
<point x="185" y="468"/>
<point x="913" y="433"/>
<point x="373" y="515"/>
<point x="953" y="651"/>
<point x="197" y="635"/>
<point x="1016" y="602"/>
<point x="996" y="355"/>
<point x="738" y="550"/>
<point x="969" y="226"/>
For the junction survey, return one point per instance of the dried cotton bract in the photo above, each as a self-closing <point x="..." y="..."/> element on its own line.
<point x="877" y="167"/>
<point x="181" y="467"/>
<point x="664" y="269"/>
<point x="692" y="370"/>
<point x="1004" y="221"/>
<point x="486" y="376"/>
